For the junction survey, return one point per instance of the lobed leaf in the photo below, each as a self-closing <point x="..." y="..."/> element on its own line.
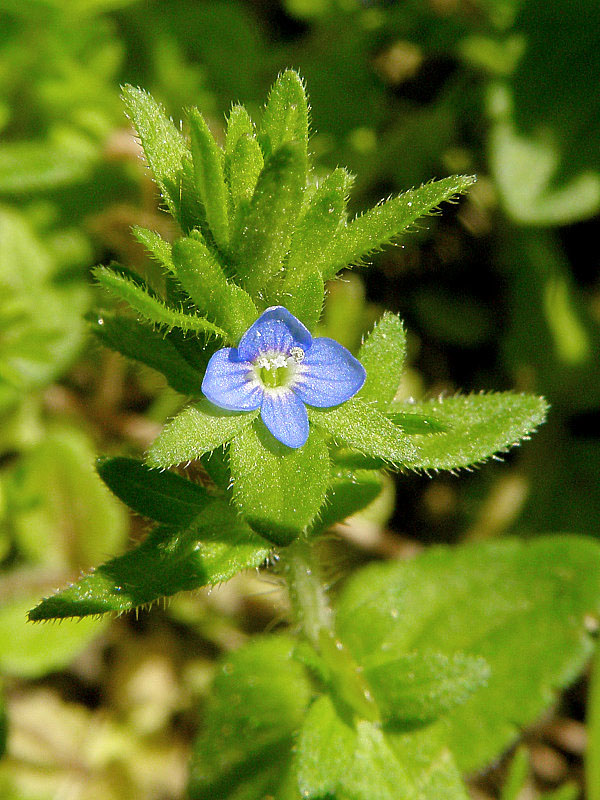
<point x="151" y="307"/>
<point x="210" y="180"/>
<point x="473" y="427"/>
<point x="159" y="495"/>
<point x="198" y="429"/>
<point x="366" y="430"/>
<point x="483" y="600"/>
<point x="285" y="118"/>
<point x="385" y="222"/>
<point x="216" y="546"/>
<point x="382" y="355"/>
<point x="257" y="702"/>
<point x="278" y="489"/>
<point x="204" y="281"/>
<point x="266" y="226"/>
<point x="149" y="346"/>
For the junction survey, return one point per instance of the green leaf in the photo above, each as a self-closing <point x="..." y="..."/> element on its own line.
<point x="34" y="166"/>
<point x="32" y="651"/>
<point x="365" y="429"/>
<point x="257" y="702"/>
<point x="420" y="687"/>
<point x="161" y="496"/>
<point x="239" y="124"/>
<point x="517" y="775"/>
<point x="144" y="343"/>
<point x="203" y="279"/>
<point x="474" y="427"/>
<point x="164" y="146"/>
<point x="61" y="514"/>
<point x="484" y="600"/>
<point x="305" y="299"/>
<point x="216" y="546"/>
<point x="198" y="429"/>
<point x="348" y="492"/>
<point x="338" y="758"/>
<point x="149" y="306"/>
<point x="325" y="750"/>
<point x="318" y="226"/>
<point x="384" y="223"/>
<point x="285" y="118"/>
<point x="208" y="172"/>
<point x="278" y="489"/>
<point x="243" y="168"/>
<point x="266" y="227"/>
<point x="382" y="355"/>
<point x="158" y="247"/>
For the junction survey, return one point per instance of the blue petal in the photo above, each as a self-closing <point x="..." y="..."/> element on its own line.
<point x="285" y="416"/>
<point x="329" y="374"/>
<point x="230" y="383"/>
<point x="276" y="329"/>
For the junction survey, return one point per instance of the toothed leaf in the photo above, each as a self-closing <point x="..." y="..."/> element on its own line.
<point x="216" y="546"/>
<point x="149" y="306"/>
<point x="201" y="276"/>
<point x="285" y="118"/>
<point x="387" y="221"/>
<point x="473" y="427"/>
<point x="198" y="429"/>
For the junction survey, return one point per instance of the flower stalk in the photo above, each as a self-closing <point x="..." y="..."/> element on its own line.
<point x="307" y="594"/>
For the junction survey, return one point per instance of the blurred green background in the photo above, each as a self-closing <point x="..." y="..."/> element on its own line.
<point x="500" y="292"/>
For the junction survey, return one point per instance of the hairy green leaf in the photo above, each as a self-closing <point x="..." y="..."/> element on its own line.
<point x="382" y="355"/>
<point x="484" y="600"/>
<point x="473" y="427"/>
<point x="144" y="343"/>
<point x="165" y="148"/>
<point x="203" y="279"/>
<point x="389" y="220"/>
<point x="198" y="429"/>
<point x="216" y="546"/>
<point x="348" y="492"/>
<point x="420" y="687"/>
<point x="285" y="118"/>
<point x="365" y="429"/>
<point x="266" y="227"/>
<point x="208" y="172"/>
<point x="151" y="307"/>
<point x="318" y="226"/>
<point x="256" y="704"/>
<point x="158" y="495"/>
<point x="278" y="489"/>
<point x="158" y="247"/>
<point x="338" y="758"/>
<point x="243" y="169"/>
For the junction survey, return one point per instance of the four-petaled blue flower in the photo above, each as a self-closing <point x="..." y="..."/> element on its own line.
<point x="278" y="367"/>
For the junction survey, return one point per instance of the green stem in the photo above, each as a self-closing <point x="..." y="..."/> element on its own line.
<point x="307" y="593"/>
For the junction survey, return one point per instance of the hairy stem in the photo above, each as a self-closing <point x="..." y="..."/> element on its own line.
<point x="306" y="590"/>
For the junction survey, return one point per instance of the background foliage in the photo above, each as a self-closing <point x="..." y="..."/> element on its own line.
<point x="501" y="292"/>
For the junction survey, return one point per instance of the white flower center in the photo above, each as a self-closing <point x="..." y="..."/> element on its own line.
<point x="274" y="370"/>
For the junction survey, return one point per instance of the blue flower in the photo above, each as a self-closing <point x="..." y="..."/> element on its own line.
<point x="278" y="367"/>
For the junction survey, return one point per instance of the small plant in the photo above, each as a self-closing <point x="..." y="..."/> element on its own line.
<point x="425" y="669"/>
